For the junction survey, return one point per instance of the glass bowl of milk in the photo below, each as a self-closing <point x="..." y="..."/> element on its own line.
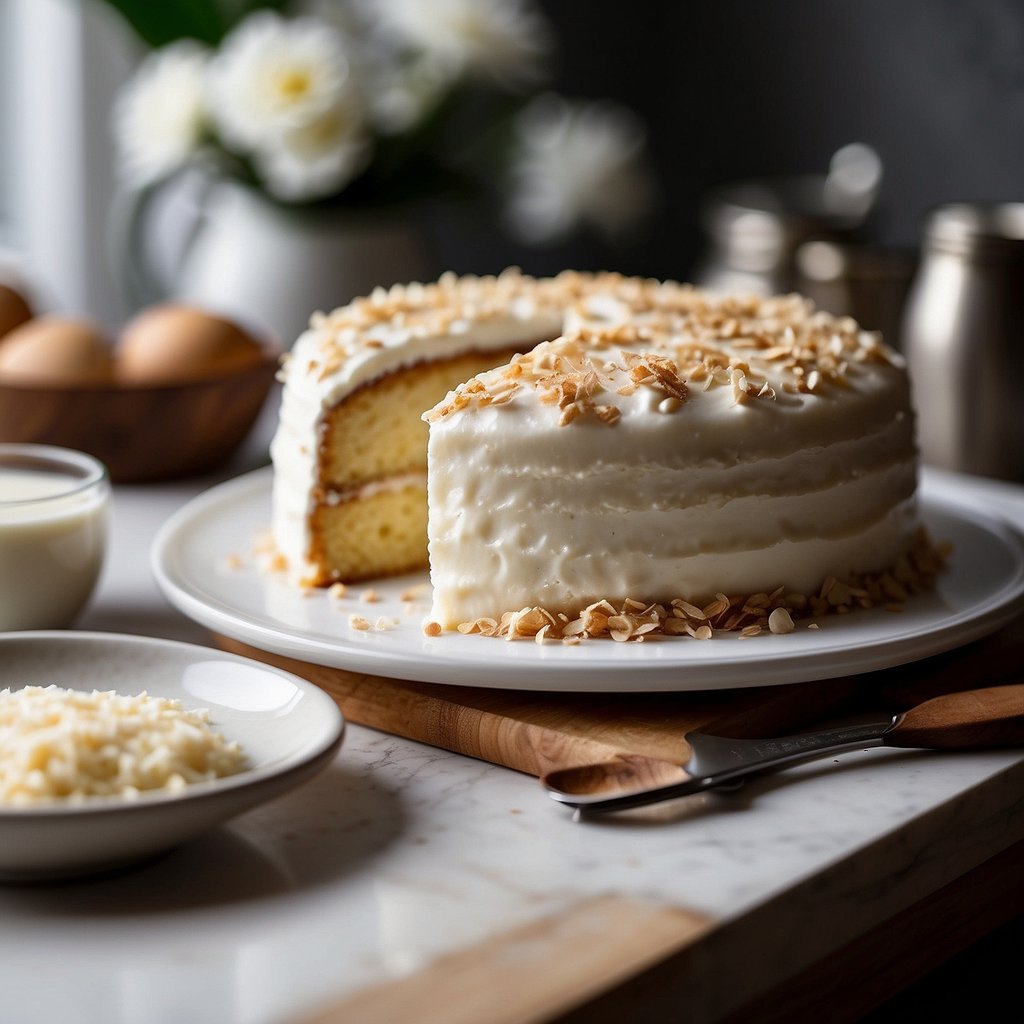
<point x="54" y="510"/>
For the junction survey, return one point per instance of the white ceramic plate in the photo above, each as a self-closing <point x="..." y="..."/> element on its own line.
<point x="288" y="728"/>
<point x="203" y="562"/>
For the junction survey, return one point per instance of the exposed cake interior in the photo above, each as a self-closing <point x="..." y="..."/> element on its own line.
<point x="349" y="454"/>
<point x="369" y="517"/>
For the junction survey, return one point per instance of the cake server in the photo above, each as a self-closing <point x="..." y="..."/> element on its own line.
<point x="969" y="720"/>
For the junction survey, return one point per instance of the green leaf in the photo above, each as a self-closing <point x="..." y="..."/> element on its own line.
<point x="239" y="9"/>
<point x="159" y="22"/>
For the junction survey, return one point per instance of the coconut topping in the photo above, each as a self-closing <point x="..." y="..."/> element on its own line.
<point x="629" y="358"/>
<point x="742" y="615"/>
<point x="679" y="338"/>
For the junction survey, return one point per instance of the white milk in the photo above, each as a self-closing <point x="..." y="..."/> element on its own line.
<point x="52" y="544"/>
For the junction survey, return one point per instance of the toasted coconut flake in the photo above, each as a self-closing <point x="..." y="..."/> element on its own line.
<point x="748" y="615"/>
<point x="688" y="609"/>
<point x="780" y="621"/>
<point x="892" y="588"/>
<point x="620" y="627"/>
<point x="716" y="608"/>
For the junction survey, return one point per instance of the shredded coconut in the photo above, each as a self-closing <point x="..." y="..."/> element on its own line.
<point x="748" y="615"/>
<point x="62" y="744"/>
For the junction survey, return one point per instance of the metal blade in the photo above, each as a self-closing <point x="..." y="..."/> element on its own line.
<point x="715" y="761"/>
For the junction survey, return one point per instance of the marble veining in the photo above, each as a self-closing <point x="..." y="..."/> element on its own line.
<point x="400" y="853"/>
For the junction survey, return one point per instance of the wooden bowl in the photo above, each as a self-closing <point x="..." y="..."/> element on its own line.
<point x="143" y="433"/>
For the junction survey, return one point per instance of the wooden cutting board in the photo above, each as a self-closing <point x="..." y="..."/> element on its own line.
<point x="540" y="732"/>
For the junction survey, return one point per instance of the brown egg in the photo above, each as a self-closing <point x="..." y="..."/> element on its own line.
<point x="56" y="350"/>
<point x="174" y="342"/>
<point x="14" y="309"/>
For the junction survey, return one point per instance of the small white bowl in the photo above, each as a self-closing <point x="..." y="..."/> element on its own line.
<point x="289" y="729"/>
<point x="54" y="508"/>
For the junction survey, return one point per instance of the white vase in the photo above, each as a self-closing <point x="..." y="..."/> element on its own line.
<point x="243" y="256"/>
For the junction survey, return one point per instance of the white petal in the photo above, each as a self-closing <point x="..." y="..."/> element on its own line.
<point x="504" y="40"/>
<point x="160" y="115"/>
<point x="273" y="75"/>
<point x="578" y="163"/>
<point x="316" y="160"/>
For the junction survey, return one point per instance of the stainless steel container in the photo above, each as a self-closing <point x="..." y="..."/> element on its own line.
<point x="754" y="228"/>
<point x="963" y="336"/>
<point x="866" y="281"/>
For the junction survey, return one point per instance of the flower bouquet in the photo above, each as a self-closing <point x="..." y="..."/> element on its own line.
<point x="377" y="104"/>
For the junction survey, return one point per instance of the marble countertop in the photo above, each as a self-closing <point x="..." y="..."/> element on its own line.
<point x="403" y="862"/>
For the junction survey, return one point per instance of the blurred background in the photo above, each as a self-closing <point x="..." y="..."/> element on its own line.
<point x="726" y="90"/>
<point x="732" y="90"/>
<point x="794" y="145"/>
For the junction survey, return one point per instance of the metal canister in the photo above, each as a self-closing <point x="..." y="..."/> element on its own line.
<point x="754" y="228"/>
<point x="866" y="281"/>
<point x="963" y="336"/>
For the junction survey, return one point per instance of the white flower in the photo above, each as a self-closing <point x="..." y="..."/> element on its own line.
<point x="283" y="93"/>
<point x="503" y="40"/>
<point x="400" y="93"/>
<point x="578" y="163"/>
<point x="316" y="159"/>
<point x="160" y="116"/>
<point x="273" y="76"/>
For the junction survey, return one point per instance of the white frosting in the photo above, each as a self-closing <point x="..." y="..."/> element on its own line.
<point x="391" y="485"/>
<point x="717" y="495"/>
<point x="783" y="471"/>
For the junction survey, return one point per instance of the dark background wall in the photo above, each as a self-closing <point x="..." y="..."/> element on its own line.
<point x="731" y="89"/>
